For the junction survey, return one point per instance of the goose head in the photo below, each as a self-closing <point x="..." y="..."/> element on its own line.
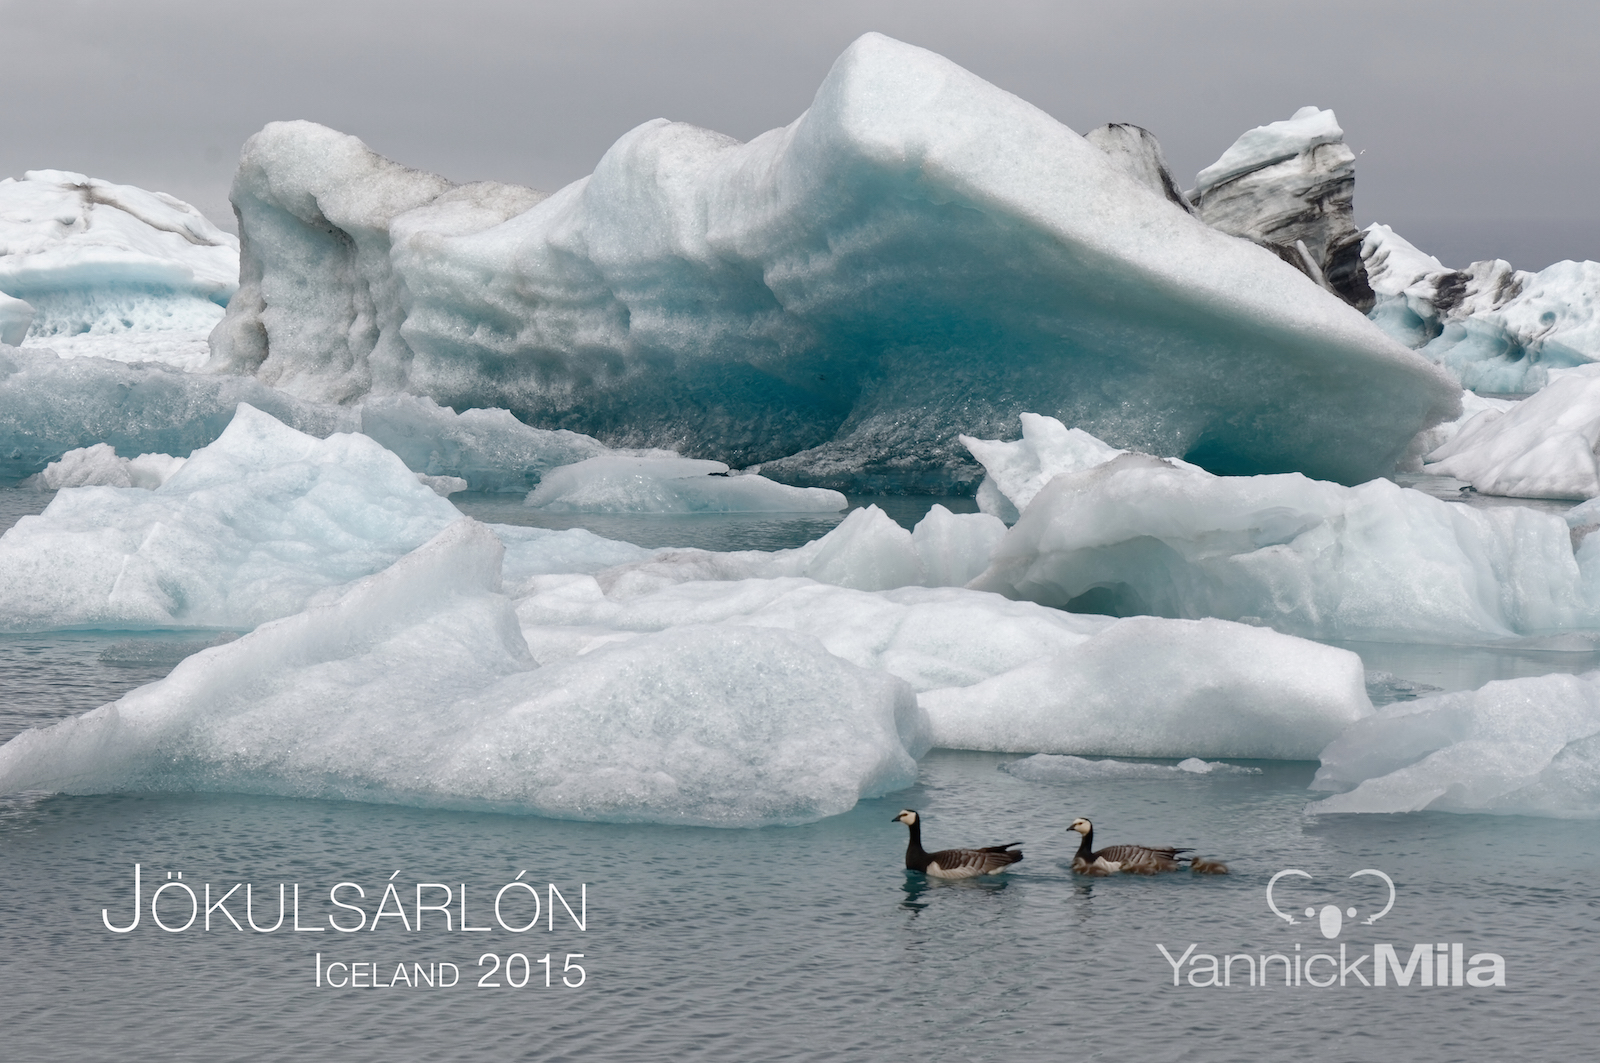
<point x="906" y="816"/>
<point x="1081" y="825"/>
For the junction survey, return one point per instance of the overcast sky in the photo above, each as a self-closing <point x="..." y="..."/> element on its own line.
<point x="1477" y="122"/>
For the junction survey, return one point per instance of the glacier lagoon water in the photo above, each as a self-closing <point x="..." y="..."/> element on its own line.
<point x="791" y="943"/>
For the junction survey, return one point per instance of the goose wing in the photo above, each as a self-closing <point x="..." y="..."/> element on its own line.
<point x="969" y="863"/>
<point x="1141" y="858"/>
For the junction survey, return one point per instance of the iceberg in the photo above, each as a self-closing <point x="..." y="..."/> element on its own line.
<point x="1056" y="769"/>
<point x="1289" y="186"/>
<point x="1542" y="447"/>
<point x="250" y="528"/>
<point x="1494" y="328"/>
<point x="415" y="686"/>
<point x="1513" y="747"/>
<point x="1143" y="535"/>
<point x="99" y="466"/>
<point x="112" y="270"/>
<point x="866" y="551"/>
<point x="1149" y="687"/>
<point x="834" y="300"/>
<point x="16" y="316"/>
<point x="666" y="483"/>
<point x="1011" y="676"/>
<point x="51" y="405"/>
<point x="1015" y="470"/>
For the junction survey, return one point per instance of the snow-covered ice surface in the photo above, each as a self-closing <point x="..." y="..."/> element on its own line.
<point x="666" y="483"/>
<point x="415" y="686"/>
<point x="1522" y="746"/>
<point x="1495" y="328"/>
<point x="893" y="268"/>
<point x="1140" y="535"/>
<point x="1543" y="447"/>
<point x="111" y="270"/>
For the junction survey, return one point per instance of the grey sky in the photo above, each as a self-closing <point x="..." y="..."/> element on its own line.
<point x="1477" y="121"/>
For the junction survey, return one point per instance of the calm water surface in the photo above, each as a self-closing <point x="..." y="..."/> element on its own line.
<point x="794" y="943"/>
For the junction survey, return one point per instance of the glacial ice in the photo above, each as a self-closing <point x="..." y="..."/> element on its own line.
<point x="1495" y="328"/>
<point x="865" y="551"/>
<point x="1151" y="687"/>
<point x="995" y="674"/>
<point x="50" y="405"/>
<point x="99" y="466"/>
<point x="1289" y="187"/>
<point x="1140" y="535"/>
<point x="1016" y="470"/>
<point x="1520" y="746"/>
<point x="1057" y="768"/>
<point x="250" y="528"/>
<point x="1543" y="447"/>
<point x="15" y="318"/>
<point x="896" y="266"/>
<point x="666" y="483"/>
<point x="415" y="686"/>
<point x="112" y="270"/>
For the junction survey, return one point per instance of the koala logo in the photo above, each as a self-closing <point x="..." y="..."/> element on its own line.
<point x="1330" y="920"/>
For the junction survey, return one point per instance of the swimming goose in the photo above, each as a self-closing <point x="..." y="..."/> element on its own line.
<point x="1134" y="859"/>
<point x="954" y="863"/>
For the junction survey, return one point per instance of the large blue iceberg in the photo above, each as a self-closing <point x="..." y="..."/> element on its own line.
<point x="918" y="255"/>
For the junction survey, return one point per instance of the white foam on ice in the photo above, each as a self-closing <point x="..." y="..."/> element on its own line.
<point x="897" y="265"/>
<point x="250" y="528"/>
<point x="661" y="483"/>
<point x="1055" y="768"/>
<point x="1142" y="535"/>
<point x="415" y="686"/>
<point x="1150" y="687"/>
<point x="1519" y="746"/>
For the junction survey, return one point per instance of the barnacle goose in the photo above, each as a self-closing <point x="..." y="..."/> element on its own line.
<point x="954" y="863"/>
<point x="1135" y="859"/>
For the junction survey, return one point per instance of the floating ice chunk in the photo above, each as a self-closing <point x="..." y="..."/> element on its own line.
<point x="929" y="637"/>
<point x="1139" y="535"/>
<point x="106" y="259"/>
<point x="865" y="551"/>
<point x="1494" y="328"/>
<point x="51" y="405"/>
<point x="99" y="466"/>
<point x="443" y="486"/>
<point x="1543" y="447"/>
<point x="414" y="686"/>
<point x="1518" y="746"/>
<point x="490" y="449"/>
<point x="1015" y="471"/>
<point x="15" y="317"/>
<point x="955" y="548"/>
<point x="540" y="551"/>
<point x="901" y="263"/>
<point x="1058" y="768"/>
<point x="1289" y="186"/>
<point x="1435" y="438"/>
<point x="671" y="484"/>
<point x="1267" y="145"/>
<point x="1147" y="687"/>
<point x="250" y="528"/>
